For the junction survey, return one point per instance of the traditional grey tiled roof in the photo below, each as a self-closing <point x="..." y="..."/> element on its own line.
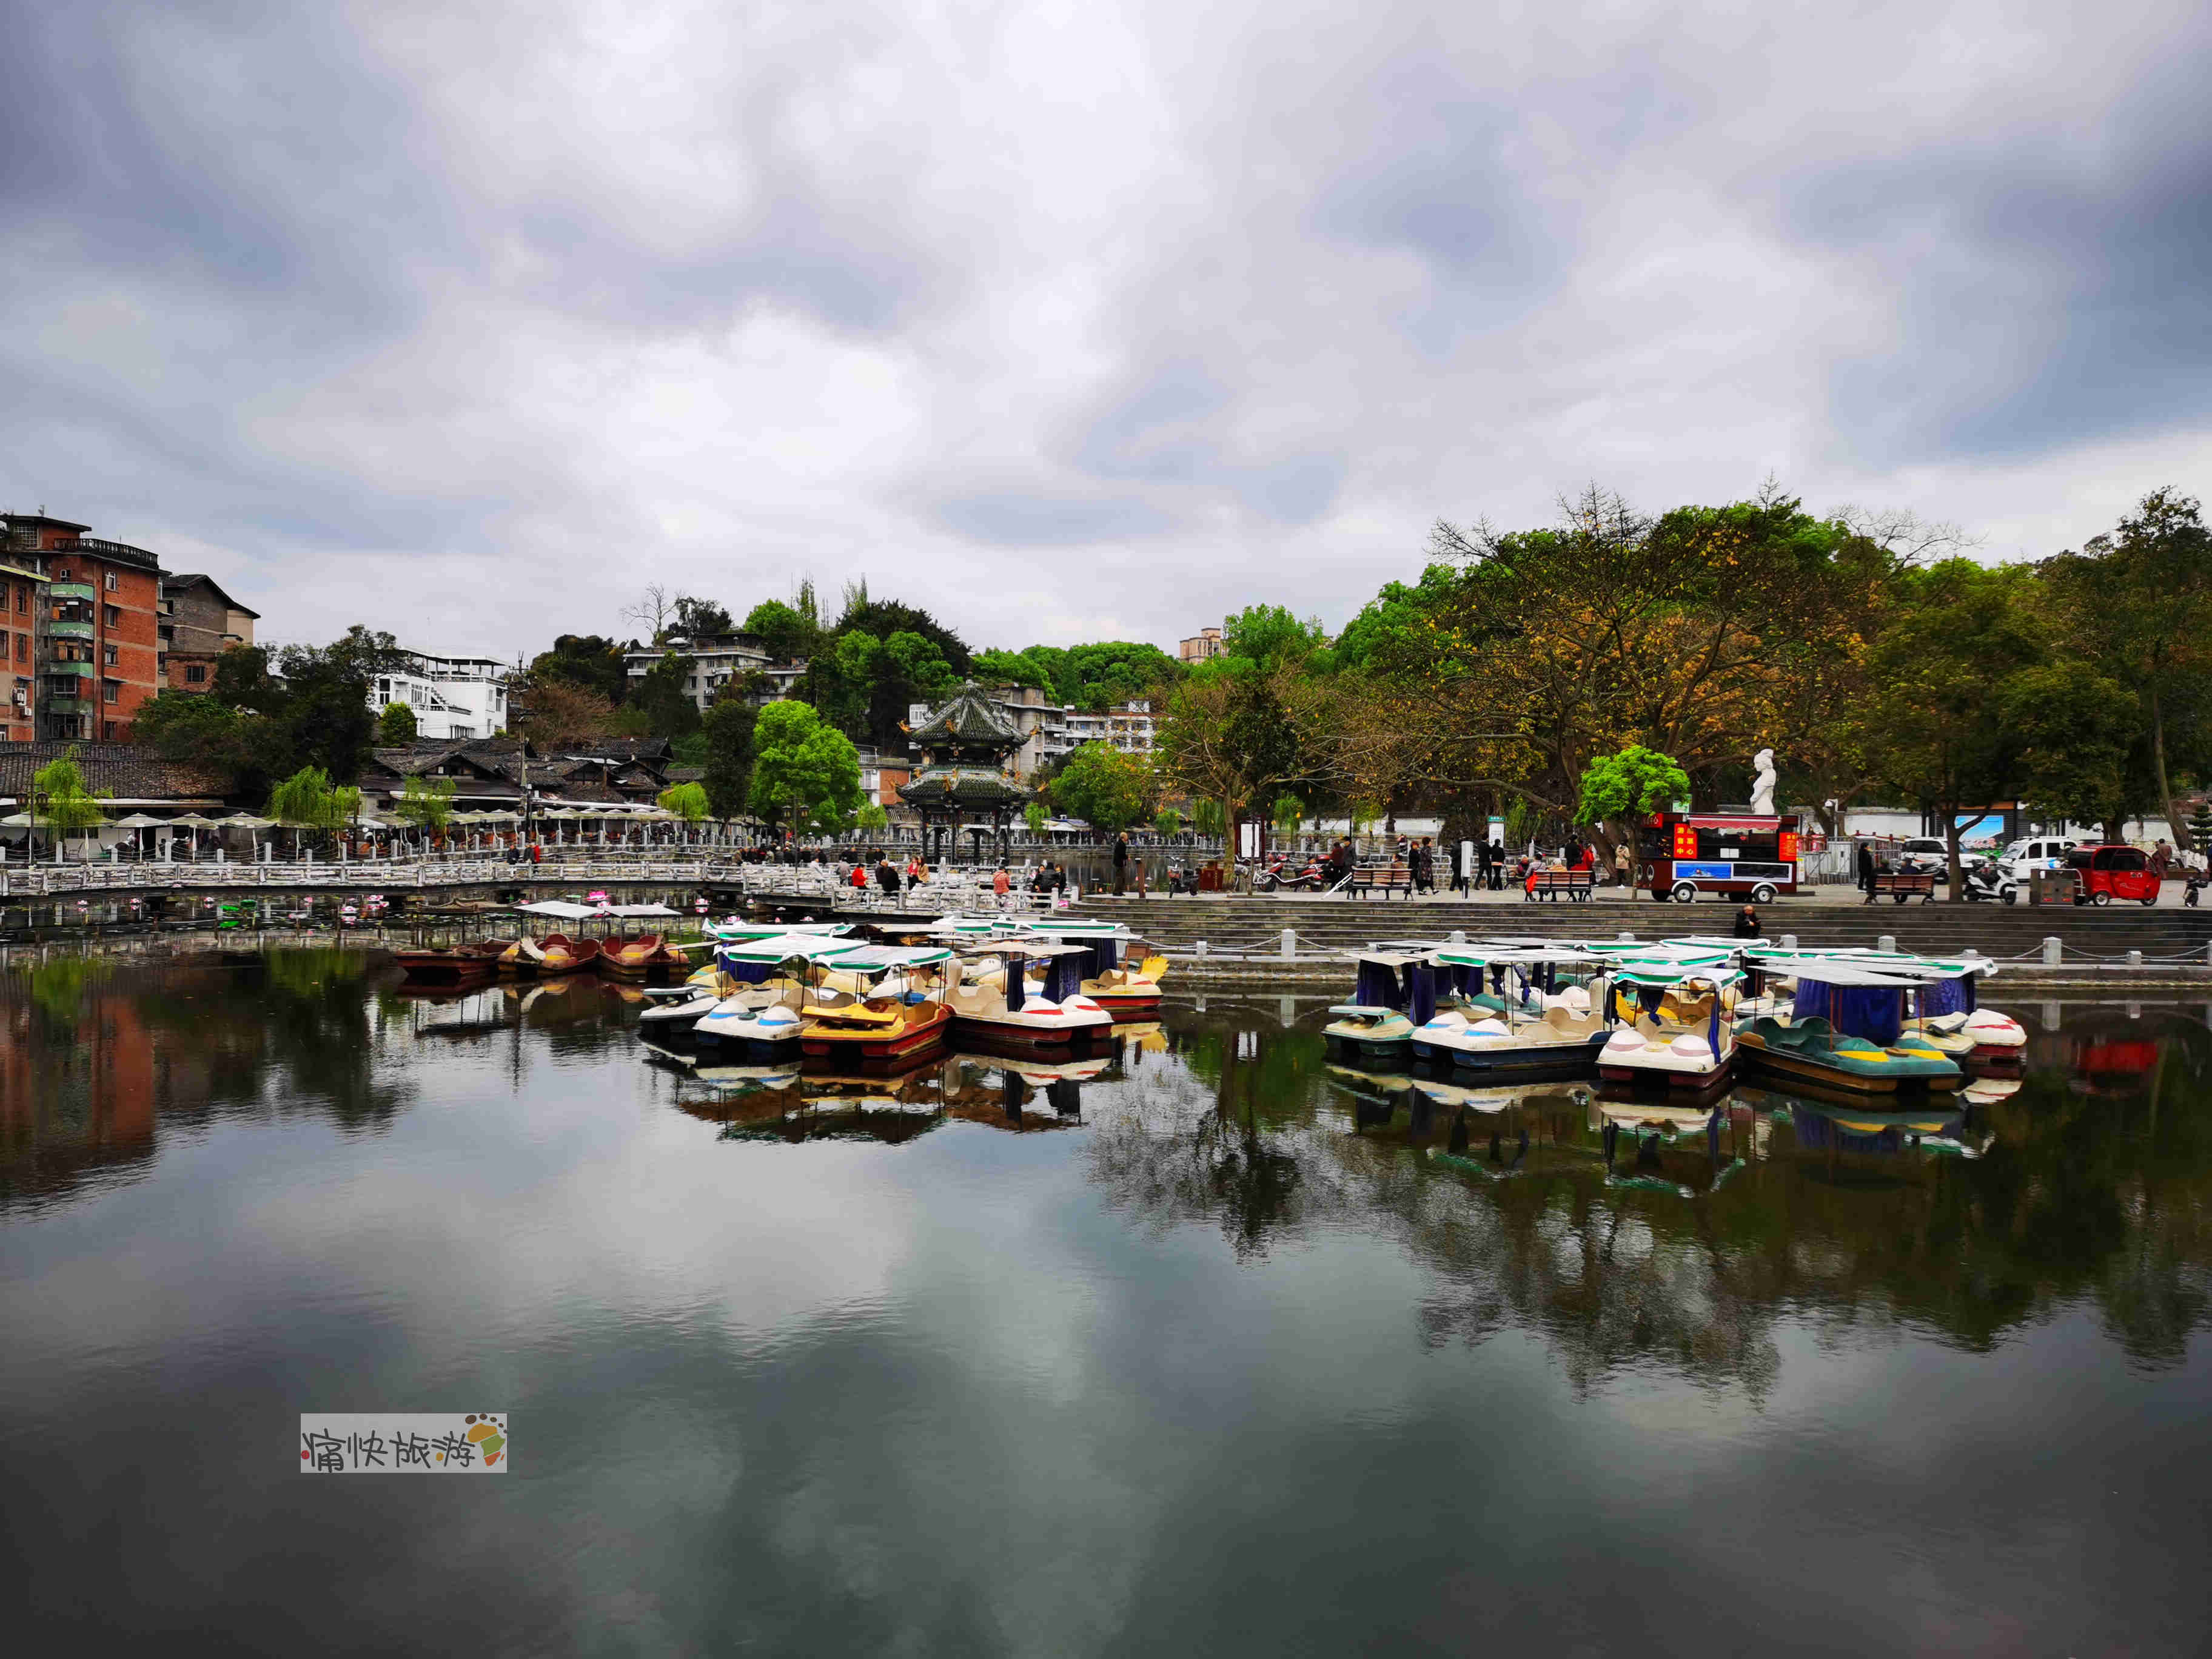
<point x="969" y="720"/>
<point x="127" y="771"/>
<point x="944" y="786"/>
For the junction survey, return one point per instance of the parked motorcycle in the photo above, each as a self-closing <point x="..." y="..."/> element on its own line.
<point x="1986" y="881"/>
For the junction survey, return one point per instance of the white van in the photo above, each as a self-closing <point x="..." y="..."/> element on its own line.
<point x="2035" y="853"/>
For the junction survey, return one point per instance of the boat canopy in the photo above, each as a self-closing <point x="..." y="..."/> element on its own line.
<point x="882" y="958"/>
<point x="783" y="947"/>
<point x="732" y="931"/>
<point x="568" y="910"/>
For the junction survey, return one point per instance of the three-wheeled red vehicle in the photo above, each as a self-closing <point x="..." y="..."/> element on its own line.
<point x="1682" y="854"/>
<point x="2102" y="874"/>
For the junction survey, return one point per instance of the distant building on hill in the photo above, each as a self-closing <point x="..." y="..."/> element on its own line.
<point x="454" y="698"/>
<point x="1203" y="646"/>
<point x="717" y="661"/>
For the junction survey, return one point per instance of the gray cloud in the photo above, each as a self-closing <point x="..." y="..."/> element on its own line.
<point x="370" y="309"/>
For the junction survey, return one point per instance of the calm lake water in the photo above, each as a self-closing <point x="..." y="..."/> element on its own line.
<point x="1220" y="1350"/>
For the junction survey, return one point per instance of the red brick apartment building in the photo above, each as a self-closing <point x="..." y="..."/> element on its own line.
<point x="94" y="630"/>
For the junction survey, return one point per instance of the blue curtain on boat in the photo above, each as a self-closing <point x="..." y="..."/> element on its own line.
<point x="1649" y="997"/>
<point x="1875" y="1012"/>
<point x="1377" y="987"/>
<point x="1420" y="992"/>
<point x="1945" y="996"/>
<point x="747" y="973"/>
<point x="1108" y="952"/>
<point x="1063" y="976"/>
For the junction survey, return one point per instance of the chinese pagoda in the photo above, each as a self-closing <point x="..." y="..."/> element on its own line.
<point x="965" y="778"/>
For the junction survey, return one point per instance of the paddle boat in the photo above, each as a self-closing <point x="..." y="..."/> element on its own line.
<point x="559" y="954"/>
<point x="1941" y="1008"/>
<point x="1560" y="1037"/>
<point x="631" y="958"/>
<point x="897" y="1020"/>
<point x="1812" y="1050"/>
<point x="1128" y="990"/>
<point x="1395" y="988"/>
<point x="761" y="1013"/>
<point x="1677" y="1033"/>
<point x="993" y="1002"/>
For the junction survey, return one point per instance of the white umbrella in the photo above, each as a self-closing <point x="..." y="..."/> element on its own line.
<point x="16" y="820"/>
<point x="139" y="821"/>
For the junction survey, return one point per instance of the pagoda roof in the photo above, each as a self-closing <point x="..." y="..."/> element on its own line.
<point x="969" y="720"/>
<point x="963" y="786"/>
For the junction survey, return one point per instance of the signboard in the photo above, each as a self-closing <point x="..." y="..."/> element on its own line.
<point x="1248" y="840"/>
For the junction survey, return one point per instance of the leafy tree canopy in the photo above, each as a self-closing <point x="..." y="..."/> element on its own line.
<point x="727" y="732"/>
<point x="807" y="775"/>
<point x="588" y="661"/>
<point x="783" y="633"/>
<point x="396" y="728"/>
<point x="1107" y="789"/>
<point x="1636" y="781"/>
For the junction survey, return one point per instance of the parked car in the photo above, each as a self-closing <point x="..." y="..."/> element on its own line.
<point x="2024" y="858"/>
<point x="2105" y="873"/>
<point x="1925" y="855"/>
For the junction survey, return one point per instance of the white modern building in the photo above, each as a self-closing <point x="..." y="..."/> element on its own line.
<point x="715" y="663"/>
<point x="452" y="697"/>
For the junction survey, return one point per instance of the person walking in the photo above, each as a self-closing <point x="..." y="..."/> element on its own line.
<point x="1620" y="864"/>
<point x="1866" y="871"/>
<point x="1002" y="885"/>
<point x="1425" y="866"/>
<point x="1496" y="867"/>
<point x="1121" y="865"/>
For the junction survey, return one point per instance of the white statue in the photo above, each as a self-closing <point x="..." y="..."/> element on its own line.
<point x="1762" y="783"/>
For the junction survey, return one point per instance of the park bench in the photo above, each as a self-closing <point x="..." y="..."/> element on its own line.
<point x="1899" y="885"/>
<point x="1368" y="876"/>
<point x="1577" y="885"/>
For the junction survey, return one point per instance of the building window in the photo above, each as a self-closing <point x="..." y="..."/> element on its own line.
<point x="110" y="616"/>
<point x="112" y="584"/>
<point x="111" y="691"/>
<point x="196" y="674"/>
<point x="107" y="730"/>
<point x="107" y="655"/>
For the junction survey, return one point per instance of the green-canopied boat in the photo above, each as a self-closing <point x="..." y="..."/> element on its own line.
<point x="1811" y="1050"/>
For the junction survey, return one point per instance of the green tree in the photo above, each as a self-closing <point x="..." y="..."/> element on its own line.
<point x="786" y="635"/>
<point x="1285" y="813"/>
<point x="61" y="801"/>
<point x="661" y="696"/>
<point x="1168" y="821"/>
<point x="198" y="727"/>
<point x="2137" y="605"/>
<point x="1035" y="814"/>
<point x="727" y="728"/>
<point x="1636" y="781"/>
<point x="807" y="775"/>
<point x="1941" y="678"/>
<point x="590" y="662"/>
<point x="427" y="803"/>
<point x="1270" y="636"/>
<point x="699" y="619"/>
<point x="396" y="726"/>
<point x="1106" y="789"/>
<point x="872" y="820"/>
<point x="308" y="801"/>
<point x="687" y="800"/>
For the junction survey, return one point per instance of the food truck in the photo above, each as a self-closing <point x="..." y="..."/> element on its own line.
<point x="1738" y="855"/>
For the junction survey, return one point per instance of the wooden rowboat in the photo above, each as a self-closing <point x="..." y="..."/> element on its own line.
<point x="454" y="965"/>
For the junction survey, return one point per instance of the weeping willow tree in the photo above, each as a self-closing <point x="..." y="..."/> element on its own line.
<point x="61" y="801"/>
<point x="427" y="803"/>
<point x="308" y="801"/>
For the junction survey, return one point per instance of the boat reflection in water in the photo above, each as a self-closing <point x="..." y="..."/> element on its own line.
<point x="1199" y="1299"/>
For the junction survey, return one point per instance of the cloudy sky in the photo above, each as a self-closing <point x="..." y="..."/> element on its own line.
<point x="1070" y="321"/>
